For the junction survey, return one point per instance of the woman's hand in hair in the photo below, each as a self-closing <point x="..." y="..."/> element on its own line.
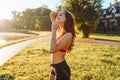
<point x="53" y="16"/>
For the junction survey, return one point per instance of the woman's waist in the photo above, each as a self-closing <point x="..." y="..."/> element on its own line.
<point x="57" y="57"/>
<point x="58" y="64"/>
<point x="56" y="60"/>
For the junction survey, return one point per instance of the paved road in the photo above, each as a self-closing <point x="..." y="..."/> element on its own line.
<point x="9" y="51"/>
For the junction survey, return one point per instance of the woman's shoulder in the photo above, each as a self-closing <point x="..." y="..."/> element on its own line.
<point x="67" y="35"/>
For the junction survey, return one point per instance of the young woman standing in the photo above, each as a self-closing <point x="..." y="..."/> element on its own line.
<point x="62" y="41"/>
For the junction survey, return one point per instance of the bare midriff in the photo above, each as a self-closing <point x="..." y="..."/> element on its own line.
<point x="57" y="57"/>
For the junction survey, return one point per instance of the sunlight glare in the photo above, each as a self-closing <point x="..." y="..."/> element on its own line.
<point x="2" y="41"/>
<point x="5" y="10"/>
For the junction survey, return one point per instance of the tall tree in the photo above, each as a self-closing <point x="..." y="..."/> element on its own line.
<point x="32" y="18"/>
<point x="42" y="21"/>
<point x="27" y="17"/>
<point x="87" y="13"/>
<point x="16" y="21"/>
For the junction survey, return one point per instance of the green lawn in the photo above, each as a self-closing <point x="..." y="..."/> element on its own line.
<point x="114" y="37"/>
<point x="87" y="62"/>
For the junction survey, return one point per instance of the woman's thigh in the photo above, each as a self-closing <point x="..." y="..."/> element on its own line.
<point x="52" y="77"/>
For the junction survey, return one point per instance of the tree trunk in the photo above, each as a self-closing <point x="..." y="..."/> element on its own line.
<point x="85" y="31"/>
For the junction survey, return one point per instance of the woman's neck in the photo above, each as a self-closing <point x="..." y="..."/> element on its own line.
<point x="61" y="24"/>
<point x="60" y="31"/>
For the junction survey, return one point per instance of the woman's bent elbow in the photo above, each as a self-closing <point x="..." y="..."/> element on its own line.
<point x="52" y="51"/>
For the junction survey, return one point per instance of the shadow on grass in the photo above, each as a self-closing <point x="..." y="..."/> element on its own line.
<point x="108" y="62"/>
<point x="38" y="51"/>
<point x="105" y="40"/>
<point x="6" y="76"/>
<point x="118" y="58"/>
<point x="87" y="77"/>
<point x="107" y="35"/>
<point x="108" y="55"/>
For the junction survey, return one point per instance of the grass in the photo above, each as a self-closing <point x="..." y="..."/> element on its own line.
<point x="87" y="62"/>
<point x="114" y="37"/>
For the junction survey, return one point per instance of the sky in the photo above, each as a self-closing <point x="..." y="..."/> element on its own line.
<point x="106" y="3"/>
<point x="6" y="6"/>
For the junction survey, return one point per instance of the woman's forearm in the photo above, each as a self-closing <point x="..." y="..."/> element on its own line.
<point x="53" y="42"/>
<point x="54" y="27"/>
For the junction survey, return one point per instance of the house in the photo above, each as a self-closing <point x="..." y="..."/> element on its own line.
<point x="110" y="22"/>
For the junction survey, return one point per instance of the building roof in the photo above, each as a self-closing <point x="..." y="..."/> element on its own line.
<point x="112" y="9"/>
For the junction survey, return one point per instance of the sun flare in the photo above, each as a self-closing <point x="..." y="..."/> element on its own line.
<point x="5" y="10"/>
<point x="2" y="41"/>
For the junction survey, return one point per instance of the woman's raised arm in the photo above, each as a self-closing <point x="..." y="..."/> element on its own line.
<point x="53" y="16"/>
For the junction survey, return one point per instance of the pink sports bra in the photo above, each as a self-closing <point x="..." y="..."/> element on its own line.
<point x="64" y="48"/>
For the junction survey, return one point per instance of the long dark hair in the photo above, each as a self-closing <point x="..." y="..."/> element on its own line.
<point x="69" y="27"/>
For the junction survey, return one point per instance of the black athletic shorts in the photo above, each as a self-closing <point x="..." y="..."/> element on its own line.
<point x="61" y="71"/>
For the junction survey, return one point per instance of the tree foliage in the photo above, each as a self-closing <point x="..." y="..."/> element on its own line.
<point x="37" y="19"/>
<point x="42" y="23"/>
<point x="16" y="21"/>
<point x="87" y="13"/>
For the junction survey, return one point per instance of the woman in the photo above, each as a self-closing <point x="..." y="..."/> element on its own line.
<point x="62" y="39"/>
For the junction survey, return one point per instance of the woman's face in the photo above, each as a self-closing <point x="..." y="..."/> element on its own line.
<point x="61" y="17"/>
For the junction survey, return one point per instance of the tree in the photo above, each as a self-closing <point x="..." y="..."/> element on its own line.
<point x="37" y="19"/>
<point x="16" y="21"/>
<point x="42" y="23"/>
<point x="87" y="13"/>
<point x="28" y="18"/>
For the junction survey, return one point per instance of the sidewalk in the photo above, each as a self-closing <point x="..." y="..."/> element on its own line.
<point x="9" y="51"/>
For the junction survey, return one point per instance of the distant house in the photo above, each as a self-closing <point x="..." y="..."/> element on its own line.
<point x="110" y="22"/>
